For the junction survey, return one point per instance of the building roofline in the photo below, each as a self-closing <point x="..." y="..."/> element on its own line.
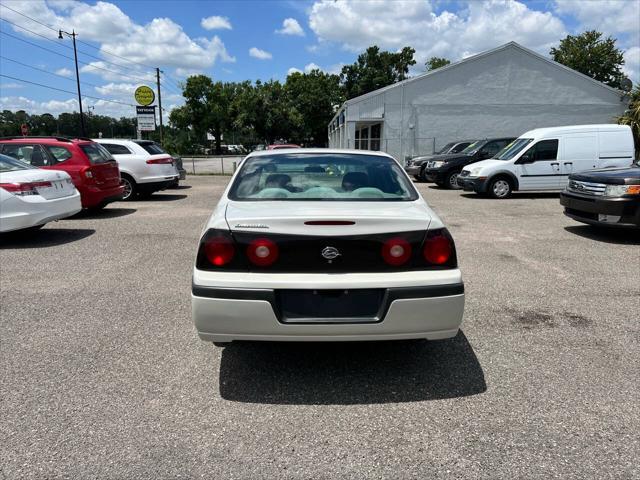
<point x="477" y="56"/>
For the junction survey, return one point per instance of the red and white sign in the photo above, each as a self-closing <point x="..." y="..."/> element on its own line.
<point x="24" y="129"/>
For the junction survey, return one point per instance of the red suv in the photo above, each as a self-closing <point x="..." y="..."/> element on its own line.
<point x="93" y="170"/>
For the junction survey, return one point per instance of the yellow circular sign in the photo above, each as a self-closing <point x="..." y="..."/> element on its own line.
<point x="144" y="95"/>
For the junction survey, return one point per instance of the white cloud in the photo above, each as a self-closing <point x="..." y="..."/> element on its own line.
<point x="65" y="72"/>
<point x="611" y="17"/>
<point x="290" y="26"/>
<point x="632" y="64"/>
<point x="260" y="54"/>
<point x="216" y="23"/>
<point x="308" y="68"/>
<point x="159" y="42"/>
<point x="394" y="24"/>
<point x="8" y="86"/>
<point x="117" y="89"/>
<point x="293" y="70"/>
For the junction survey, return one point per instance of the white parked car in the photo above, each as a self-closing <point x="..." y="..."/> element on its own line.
<point x="144" y="166"/>
<point x="31" y="197"/>
<point x="543" y="159"/>
<point x="317" y="244"/>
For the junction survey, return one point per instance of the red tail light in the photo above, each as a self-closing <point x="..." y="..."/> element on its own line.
<point x="27" y="188"/>
<point x="219" y="250"/>
<point x="262" y="252"/>
<point x="437" y="249"/>
<point x="160" y="161"/>
<point x="396" y="251"/>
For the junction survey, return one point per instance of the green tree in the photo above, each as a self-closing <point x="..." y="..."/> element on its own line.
<point x="592" y="55"/>
<point x="632" y="117"/>
<point x="436" y="62"/>
<point x="375" y="69"/>
<point x="313" y="98"/>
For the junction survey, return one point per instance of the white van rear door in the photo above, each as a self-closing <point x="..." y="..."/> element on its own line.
<point x="616" y="148"/>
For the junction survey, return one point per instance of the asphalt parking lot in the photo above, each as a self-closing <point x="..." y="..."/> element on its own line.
<point x="103" y="375"/>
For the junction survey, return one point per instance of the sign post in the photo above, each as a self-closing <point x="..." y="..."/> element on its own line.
<point x="146" y="118"/>
<point x="146" y="114"/>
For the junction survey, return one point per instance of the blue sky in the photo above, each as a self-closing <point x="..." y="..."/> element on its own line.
<point x="250" y="40"/>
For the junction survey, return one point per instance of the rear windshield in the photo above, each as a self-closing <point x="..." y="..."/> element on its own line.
<point x="511" y="150"/>
<point x="335" y="176"/>
<point x="10" y="164"/>
<point x="152" y="148"/>
<point x="96" y="153"/>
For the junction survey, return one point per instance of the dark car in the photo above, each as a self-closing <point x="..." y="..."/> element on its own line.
<point x="414" y="166"/>
<point x="609" y="196"/>
<point x="444" y="169"/>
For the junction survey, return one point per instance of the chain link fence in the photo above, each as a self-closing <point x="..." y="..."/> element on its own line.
<point x="211" y="164"/>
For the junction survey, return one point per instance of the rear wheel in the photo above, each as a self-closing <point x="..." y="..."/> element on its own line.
<point x="500" y="188"/>
<point x="130" y="187"/>
<point x="452" y="181"/>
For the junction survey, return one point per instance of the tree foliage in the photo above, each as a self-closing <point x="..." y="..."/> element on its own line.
<point x="436" y="62"/>
<point x="375" y="69"/>
<point x="632" y="117"/>
<point x="592" y="55"/>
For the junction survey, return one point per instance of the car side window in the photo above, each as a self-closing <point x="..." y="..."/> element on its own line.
<point x="60" y="154"/>
<point x="490" y="149"/>
<point x="544" y="150"/>
<point x="33" y="154"/>
<point x="115" y="149"/>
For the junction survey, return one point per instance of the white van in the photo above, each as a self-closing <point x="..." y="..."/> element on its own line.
<point x="542" y="159"/>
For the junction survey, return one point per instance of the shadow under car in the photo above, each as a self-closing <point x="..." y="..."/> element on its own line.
<point x="47" y="237"/>
<point x="349" y="373"/>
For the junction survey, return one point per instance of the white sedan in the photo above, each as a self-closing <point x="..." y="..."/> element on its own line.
<point x="325" y="245"/>
<point x="31" y="197"/>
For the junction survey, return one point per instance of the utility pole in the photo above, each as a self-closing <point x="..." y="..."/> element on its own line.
<point x="159" y="101"/>
<point x="83" y="132"/>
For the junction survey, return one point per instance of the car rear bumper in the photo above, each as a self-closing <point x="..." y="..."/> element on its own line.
<point x="93" y="196"/>
<point x="16" y="214"/>
<point x="410" y="308"/>
<point x="622" y="212"/>
<point x="157" y="183"/>
<point x="472" y="184"/>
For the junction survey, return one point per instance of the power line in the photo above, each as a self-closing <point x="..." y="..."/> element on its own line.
<point x="47" y="71"/>
<point x="79" y="41"/>
<point x="65" y="91"/>
<point x="79" y="51"/>
<point x="91" y="65"/>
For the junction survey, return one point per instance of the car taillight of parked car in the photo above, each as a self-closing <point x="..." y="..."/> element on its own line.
<point x="396" y="251"/>
<point x="22" y="189"/>
<point x="437" y="249"/>
<point x="262" y="252"/>
<point x="160" y="161"/>
<point x="219" y="250"/>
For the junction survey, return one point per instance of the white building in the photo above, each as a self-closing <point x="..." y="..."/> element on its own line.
<point x="502" y="92"/>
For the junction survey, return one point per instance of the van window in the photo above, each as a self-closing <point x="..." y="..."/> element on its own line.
<point x="583" y="147"/>
<point x="545" y="150"/>
<point x="511" y="150"/>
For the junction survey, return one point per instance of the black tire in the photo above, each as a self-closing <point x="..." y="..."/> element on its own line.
<point x="500" y="188"/>
<point x="451" y="181"/>
<point x="423" y="175"/>
<point x="130" y="187"/>
<point x="221" y="344"/>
